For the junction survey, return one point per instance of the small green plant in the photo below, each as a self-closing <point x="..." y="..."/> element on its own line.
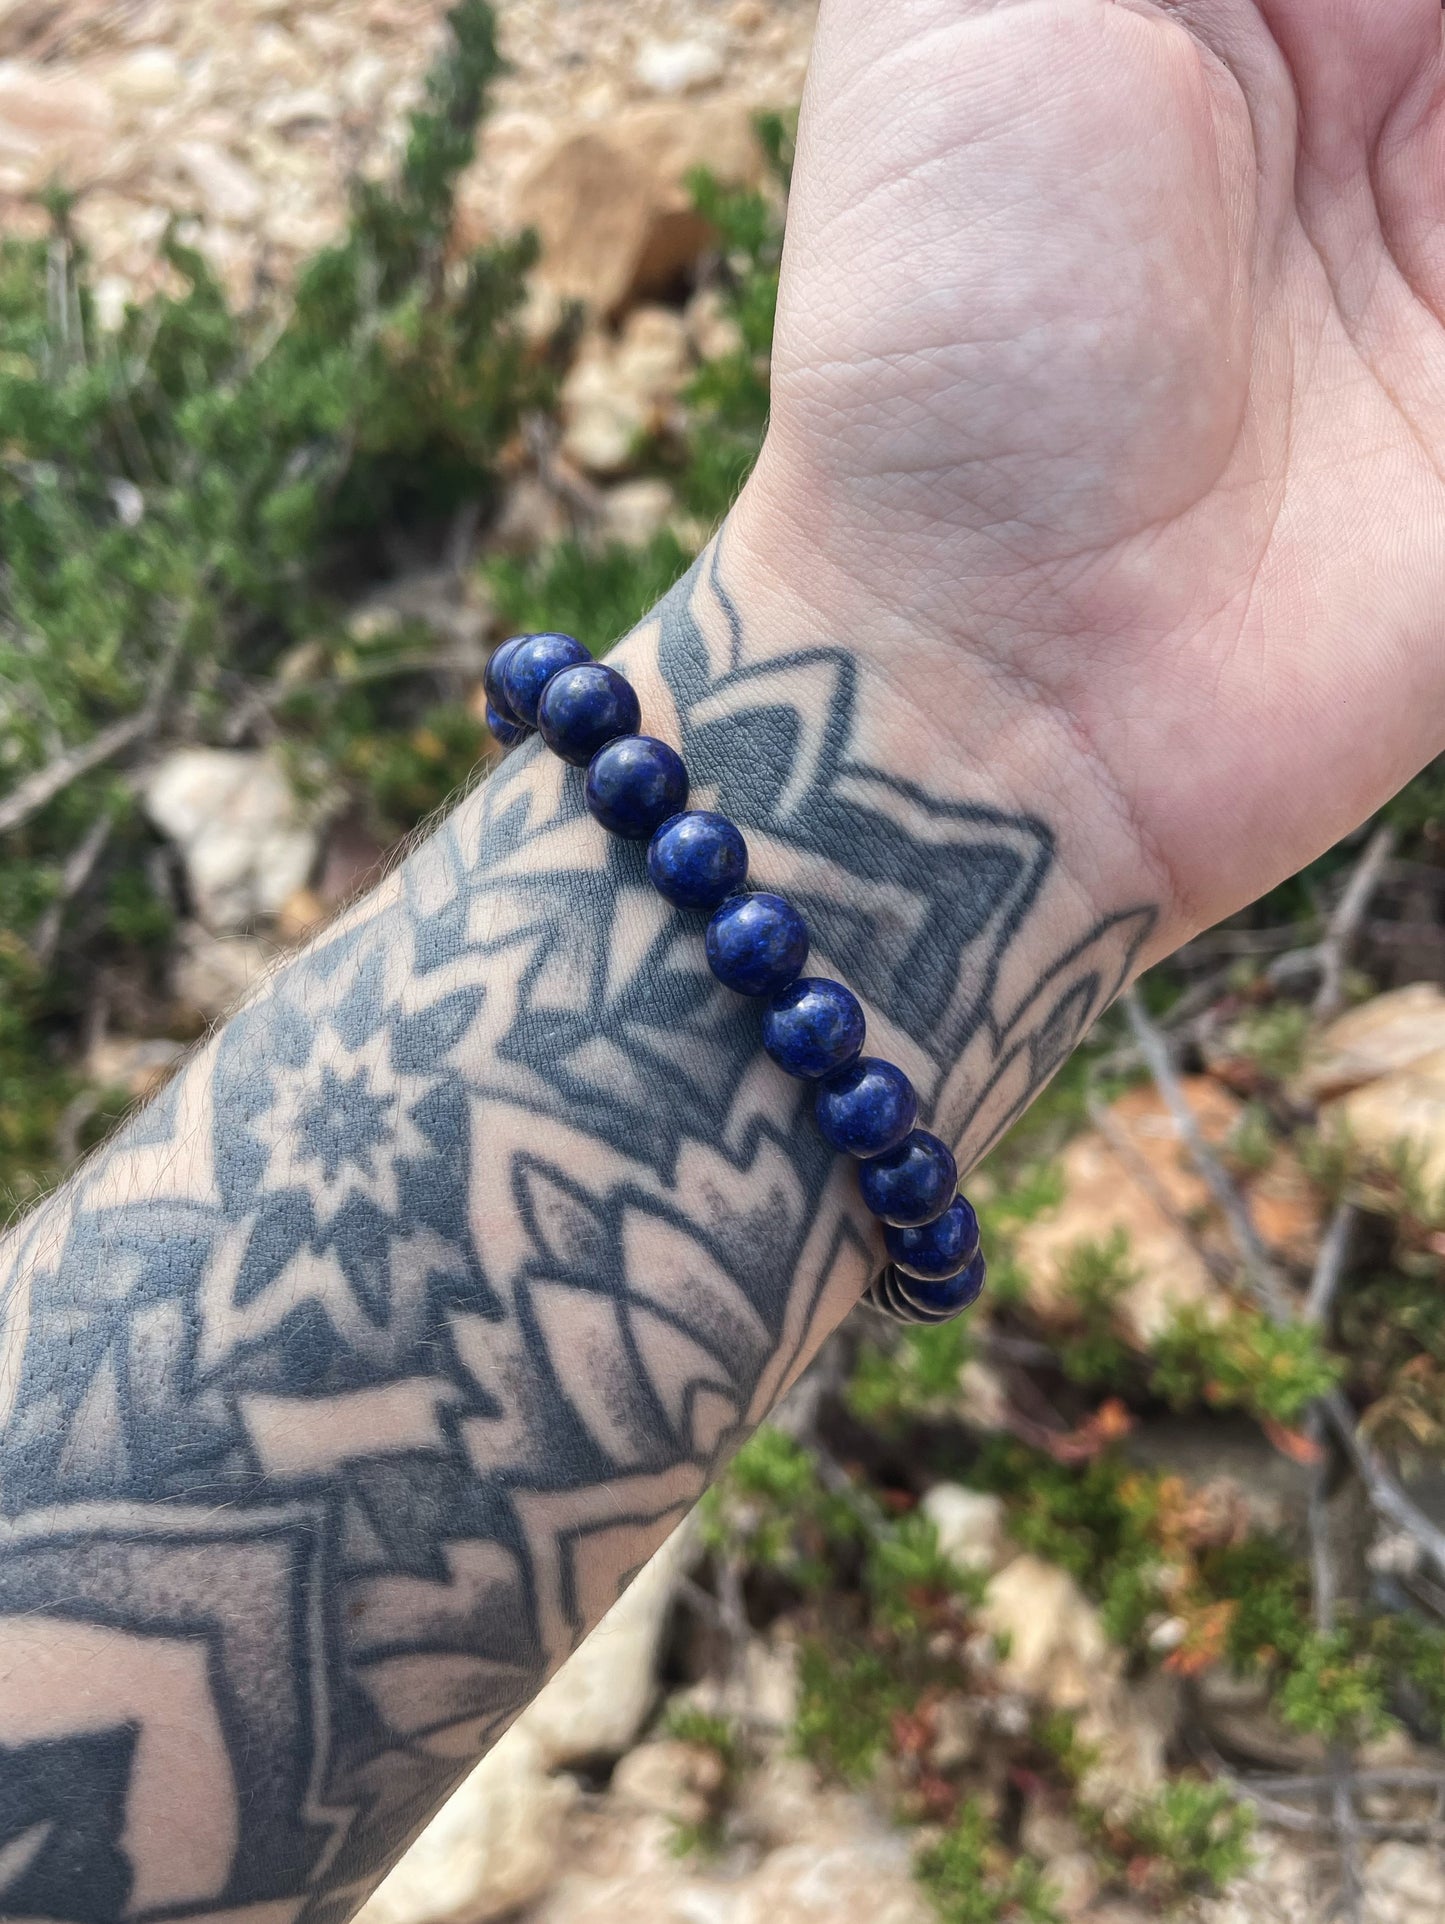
<point x="908" y="1577"/>
<point x="1102" y="1521"/>
<point x="1273" y="1038"/>
<point x="1251" y="1144"/>
<point x="1096" y="1275"/>
<point x="707" y="1730"/>
<point x="1334" y="1688"/>
<point x="1189" y="1837"/>
<point x="771" y="1508"/>
<point x="915" y="1375"/>
<point x="970" y="1879"/>
<point x="1242" y="1361"/>
<point x="847" y="1698"/>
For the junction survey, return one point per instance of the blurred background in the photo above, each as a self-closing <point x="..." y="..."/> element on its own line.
<point x="338" y="341"/>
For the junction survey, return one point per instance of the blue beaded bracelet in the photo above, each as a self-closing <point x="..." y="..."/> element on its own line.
<point x="757" y="944"/>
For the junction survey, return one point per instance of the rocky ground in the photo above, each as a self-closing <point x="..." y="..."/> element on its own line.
<point x="253" y="117"/>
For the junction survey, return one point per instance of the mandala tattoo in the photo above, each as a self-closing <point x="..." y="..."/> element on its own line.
<point x="347" y="1386"/>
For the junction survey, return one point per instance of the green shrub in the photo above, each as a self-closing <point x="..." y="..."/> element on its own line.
<point x="1100" y="1521"/>
<point x="178" y="502"/>
<point x="915" y="1375"/>
<point x="1095" y="1277"/>
<point x="847" y="1699"/>
<point x="1188" y="1837"/>
<point x="1243" y="1361"/>
<point x="970" y="1879"/>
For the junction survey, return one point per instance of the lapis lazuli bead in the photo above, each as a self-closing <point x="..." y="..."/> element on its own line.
<point x="814" y="1028"/>
<point x="634" y="785"/>
<point x="889" y="1295"/>
<point x="952" y="1294"/>
<point x="531" y="665"/>
<point x="912" y="1183"/>
<point x="698" y="859"/>
<point x="495" y="684"/>
<point x="757" y="944"/>
<point x="866" y="1108"/>
<point x="935" y="1251"/>
<point x="583" y="708"/>
<point x="508" y="733"/>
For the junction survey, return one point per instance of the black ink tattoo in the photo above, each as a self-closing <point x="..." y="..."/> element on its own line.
<point x="348" y="1384"/>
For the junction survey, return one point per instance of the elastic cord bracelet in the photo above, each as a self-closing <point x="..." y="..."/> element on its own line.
<point x="757" y="944"/>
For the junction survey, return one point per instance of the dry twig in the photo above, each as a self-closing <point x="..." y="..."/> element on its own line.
<point x="41" y="788"/>
<point x="37" y="791"/>
<point x="1334" y="950"/>
<point x="1253" y="1256"/>
<point x="1386" y="1496"/>
<point x="76" y="873"/>
<point x="1329" y="1265"/>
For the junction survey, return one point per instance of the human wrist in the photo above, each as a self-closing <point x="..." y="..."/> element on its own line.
<point x="959" y="895"/>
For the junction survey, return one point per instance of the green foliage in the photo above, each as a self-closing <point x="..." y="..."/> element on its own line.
<point x="1333" y="1688"/>
<point x="176" y="501"/>
<point x="914" y="1375"/>
<point x="1100" y="1521"/>
<point x="595" y="592"/>
<point x="847" y="1698"/>
<point x="729" y="397"/>
<point x="1410" y="1654"/>
<point x="1274" y="1037"/>
<point x="907" y="1575"/>
<point x="1242" y="1361"/>
<point x="1251" y="1144"/>
<point x="704" y="1836"/>
<point x="1095" y="1277"/>
<point x="1188" y="1837"/>
<point x="1331" y="1685"/>
<point x="706" y="1728"/>
<point x="771" y="1508"/>
<point x="969" y="1879"/>
<point x="1420" y="804"/>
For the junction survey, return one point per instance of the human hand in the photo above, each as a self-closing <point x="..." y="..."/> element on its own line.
<point x="1109" y="409"/>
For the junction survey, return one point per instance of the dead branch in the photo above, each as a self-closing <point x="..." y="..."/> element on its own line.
<point x="74" y="876"/>
<point x="1329" y="1265"/>
<point x="1386" y="1496"/>
<point x="37" y="791"/>
<point x="41" y="788"/>
<point x="1254" y="1258"/>
<point x="1344" y="925"/>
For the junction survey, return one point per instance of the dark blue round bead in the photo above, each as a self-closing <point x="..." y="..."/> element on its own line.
<point x="531" y="665"/>
<point x="912" y="1183"/>
<point x="634" y="785"/>
<point x="953" y="1293"/>
<point x="866" y="1108"/>
<point x="585" y="707"/>
<point x="698" y="859"/>
<point x="937" y="1250"/>
<point x="494" y="679"/>
<point x="757" y="944"/>
<point x="813" y="1028"/>
<point x="888" y="1294"/>
<point x="508" y="733"/>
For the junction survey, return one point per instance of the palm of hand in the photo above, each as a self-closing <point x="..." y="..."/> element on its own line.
<point x="1111" y="345"/>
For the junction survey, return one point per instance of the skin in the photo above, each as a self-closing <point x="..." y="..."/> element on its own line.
<point x="1086" y="587"/>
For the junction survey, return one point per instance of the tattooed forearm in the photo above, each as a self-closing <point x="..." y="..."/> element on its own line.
<point x="341" y="1393"/>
